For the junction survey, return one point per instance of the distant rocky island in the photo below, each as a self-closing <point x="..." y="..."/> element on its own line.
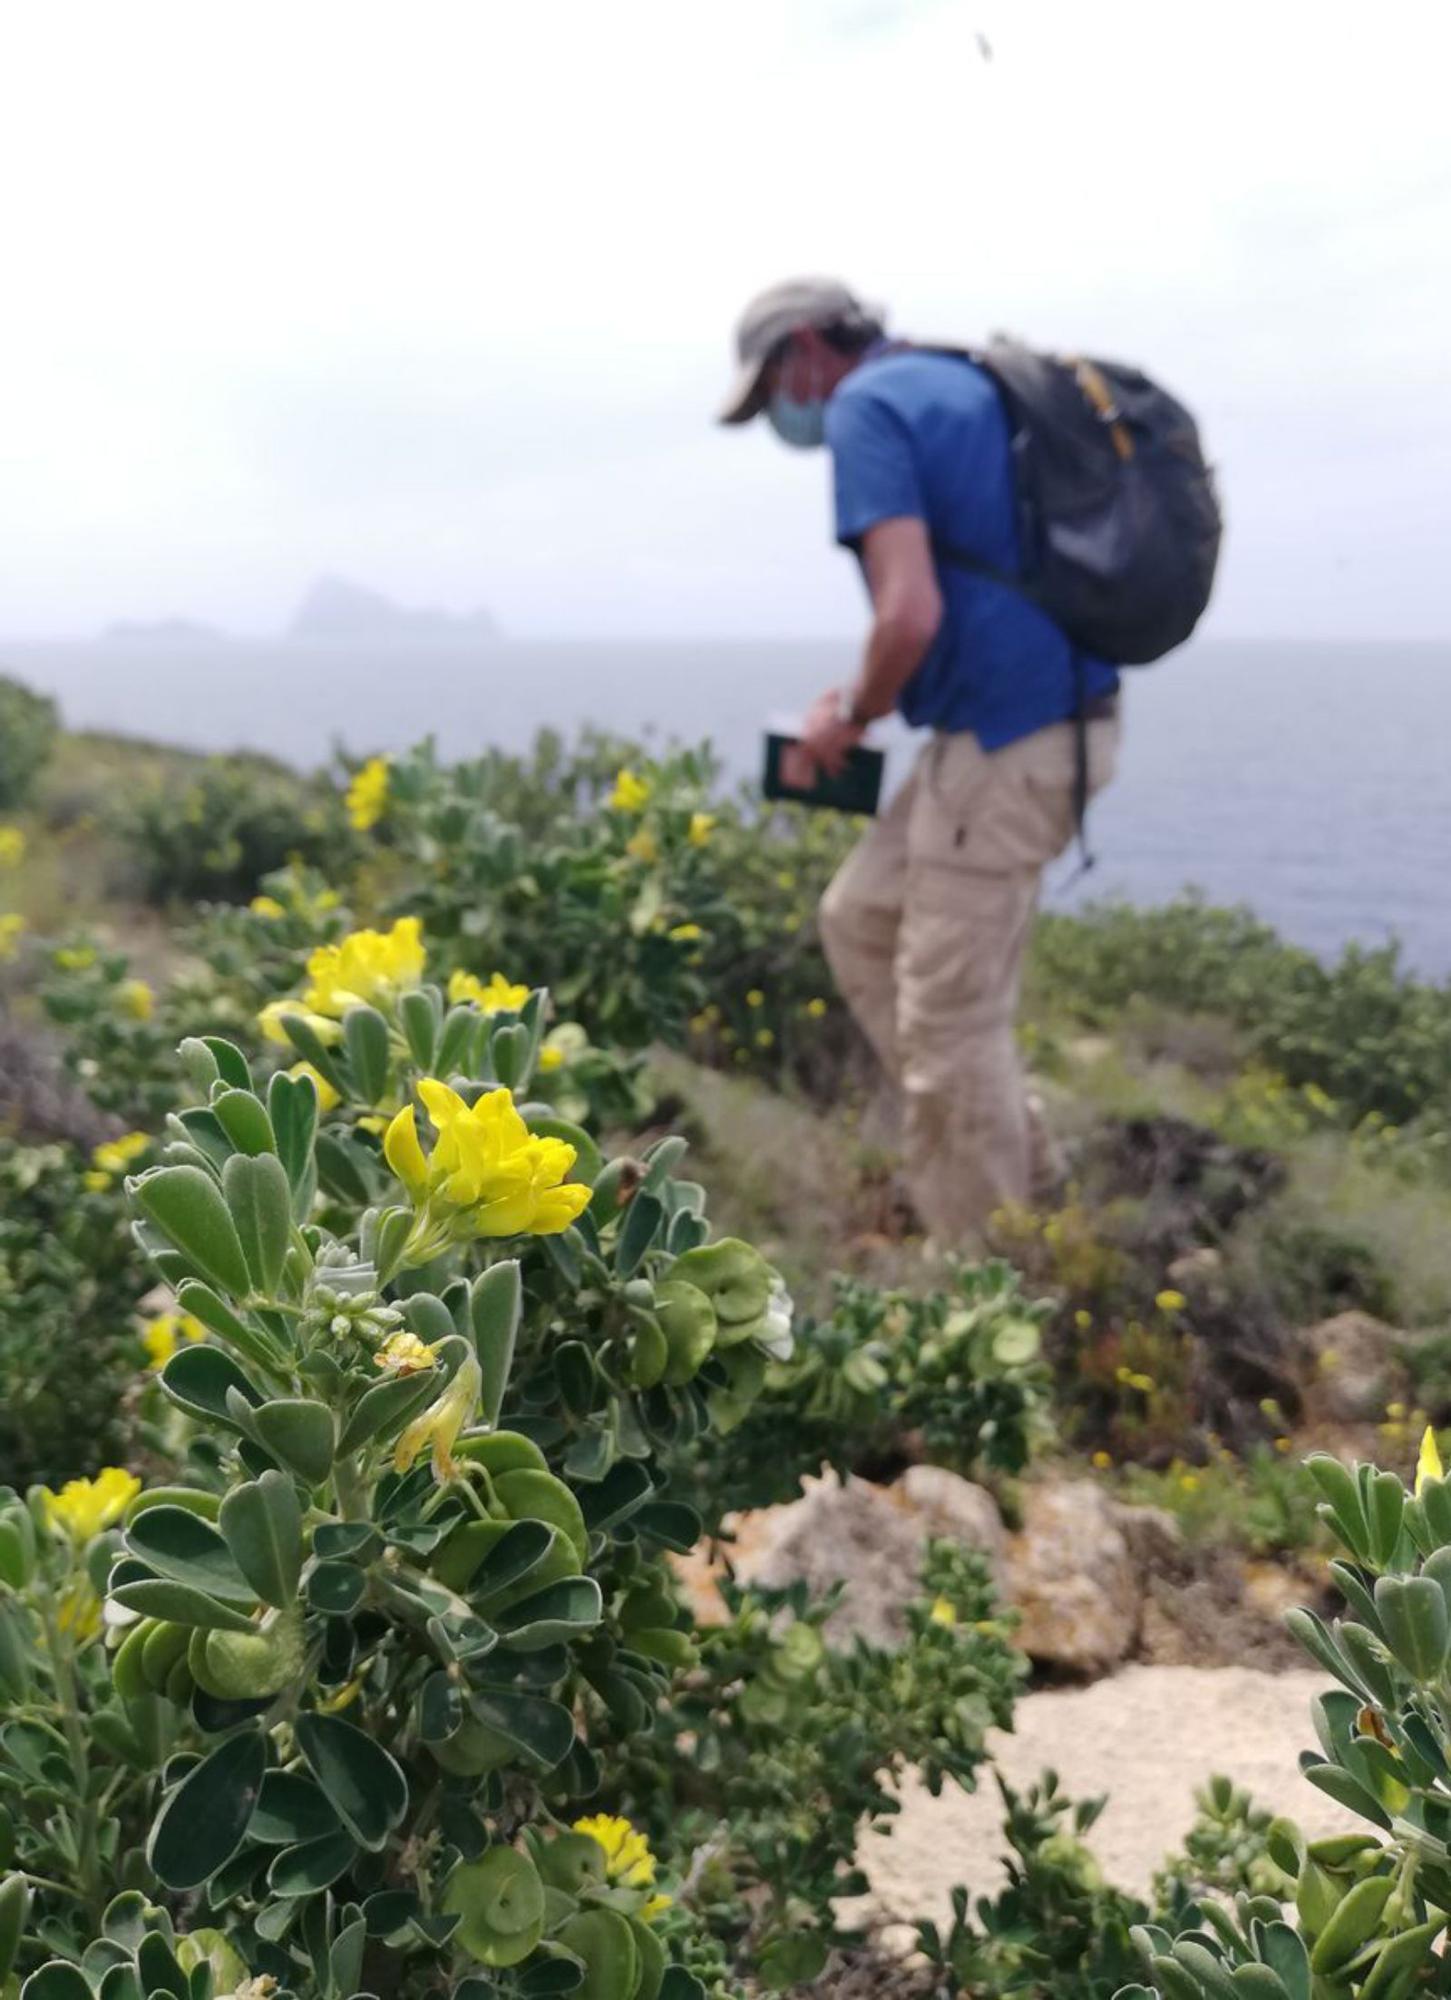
<point x="165" y="631"/>
<point x="333" y="608"/>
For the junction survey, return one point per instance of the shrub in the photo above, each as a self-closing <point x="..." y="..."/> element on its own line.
<point x="71" y="1278"/>
<point x="214" y="834"/>
<point x="954" y="1375"/>
<point x="29" y="725"/>
<point x="412" y="1554"/>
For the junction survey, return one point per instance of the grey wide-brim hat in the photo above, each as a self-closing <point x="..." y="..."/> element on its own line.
<point x="770" y="318"/>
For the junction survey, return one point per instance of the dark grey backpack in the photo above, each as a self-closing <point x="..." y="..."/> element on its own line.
<point x="1119" y="521"/>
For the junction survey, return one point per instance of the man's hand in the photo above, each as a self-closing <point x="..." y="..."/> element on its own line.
<point x="822" y="745"/>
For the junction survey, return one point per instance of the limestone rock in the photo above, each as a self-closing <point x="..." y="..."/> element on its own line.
<point x="1353" y="1368"/>
<point x="954" y="1510"/>
<point x="850" y="1532"/>
<point x="1074" y="1578"/>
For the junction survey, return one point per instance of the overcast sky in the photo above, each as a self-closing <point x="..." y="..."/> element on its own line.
<point x="437" y="293"/>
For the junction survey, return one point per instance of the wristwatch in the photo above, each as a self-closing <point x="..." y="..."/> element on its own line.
<point x="846" y="709"/>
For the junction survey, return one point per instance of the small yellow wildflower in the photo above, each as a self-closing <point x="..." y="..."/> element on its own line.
<point x="755" y="998"/>
<point x="438" y="1427"/>
<point x="12" y="847"/>
<point x="764" y="1038"/>
<point x="367" y="795"/>
<point x="12" y="930"/>
<point x="687" y="933"/>
<point x="816" y="1008"/>
<point x="499" y="996"/>
<point x="631" y="794"/>
<point x="75" y="957"/>
<point x="942" y="1612"/>
<point x="785" y="880"/>
<point x="628" y="1859"/>
<point x="1130" y="1378"/>
<point x="1396" y="1410"/>
<point x="1282" y="1444"/>
<point x="266" y="906"/>
<point x="273" y="1015"/>
<point x="1189" y="1481"/>
<point x="1170" y="1302"/>
<point x="162" y="1336"/>
<point x="1083" y="1320"/>
<point x="487" y="1175"/>
<point x="1102" y="1462"/>
<point x="550" y="1058"/>
<point x="1428" y="1465"/>
<point x="405" y="1354"/>
<point x="135" y="997"/>
<point x="700" y="828"/>
<point x="327" y="1098"/>
<point x="643" y="846"/>
<point x="368" y="968"/>
<point x="114" y="1156"/>
<point x="84" y="1508"/>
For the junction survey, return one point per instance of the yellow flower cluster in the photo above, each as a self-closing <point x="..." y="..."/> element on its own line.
<point x="268" y="907"/>
<point x="367" y="969"/>
<point x="1170" y="1302"/>
<point x="12" y="847"/>
<point x="487" y="1174"/>
<point x="498" y="996"/>
<point x="136" y="999"/>
<point x="110" y="1160"/>
<point x="630" y="795"/>
<point x="163" y="1335"/>
<point x="367" y="795"/>
<point x="700" y="828"/>
<point x="84" y="1508"/>
<point x="628" y="1857"/>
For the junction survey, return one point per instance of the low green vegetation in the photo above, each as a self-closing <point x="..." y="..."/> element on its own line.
<point x="396" y="1278"/>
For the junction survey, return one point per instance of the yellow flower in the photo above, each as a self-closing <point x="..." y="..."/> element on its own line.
<point x="1170" y="1302"/>
<point x="367" y="795"/>
<point x="1189" y="1481"/>
<point x="12" y="930"/>
<point x="85" y="1507"/>
<point x="79" y="1610"/>
<point x="487" y="1175"/>
<point x="785" y="880"/>
<point x="1282" y="1444"/>
<point x="273" y="1015"/>
<point x="12" y="847"/>
<point x="266" y="906"/>
<point x="405" y="1354"/>
<point x="1083" y="1320"/>
<point x="764" y="1038"/>
<point x="96" y="1181"/>
<point x="631" y="794"/>
<point x="942" y="1613"/>
<point x="643" y="846"/>
<point x="816" y="1008"/>
<point x="368" y="969"/>
<point x="162" y="1335"/>
<point x="439" y="1425"/>
<point x="700" y="828"/>
<point x="628" y="1859"/>
<point x="327" y="1097"/>
<point x="116" y="1155"/>
<point x="687" y="933"/>
<point x="1428" y="1465"/>
<point x="551" y="1058"/>
<point x="500" y="996"/>
<point x="75" y="957"/>
<point x="1102" y="1462"/>
<point x="755" y="998"/>
<point x="135" y="997"/>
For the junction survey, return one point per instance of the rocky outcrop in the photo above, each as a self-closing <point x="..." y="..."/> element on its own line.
<point x="1075" y="1574"/>
<point x="1353" y="1367"/>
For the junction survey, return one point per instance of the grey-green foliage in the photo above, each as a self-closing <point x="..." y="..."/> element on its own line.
<point x="1369" y="1910"/>
<point x="29" y="725"/>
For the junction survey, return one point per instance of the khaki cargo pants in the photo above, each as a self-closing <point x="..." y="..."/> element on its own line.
<point x="925" y="926"/>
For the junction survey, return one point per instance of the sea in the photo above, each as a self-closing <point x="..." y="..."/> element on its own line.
<point x="1310" y="782"/>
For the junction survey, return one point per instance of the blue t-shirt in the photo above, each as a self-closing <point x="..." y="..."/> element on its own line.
<point x="925" y="435"/>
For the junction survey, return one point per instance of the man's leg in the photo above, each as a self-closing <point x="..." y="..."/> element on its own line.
<point x="982" y="829"/>
<point x="859" y="919"/>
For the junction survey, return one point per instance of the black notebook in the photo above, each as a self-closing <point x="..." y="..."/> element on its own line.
<point x="857" y="790"/>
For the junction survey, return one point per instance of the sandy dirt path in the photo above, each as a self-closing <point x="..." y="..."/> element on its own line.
<point x="1148" y="1736"/>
